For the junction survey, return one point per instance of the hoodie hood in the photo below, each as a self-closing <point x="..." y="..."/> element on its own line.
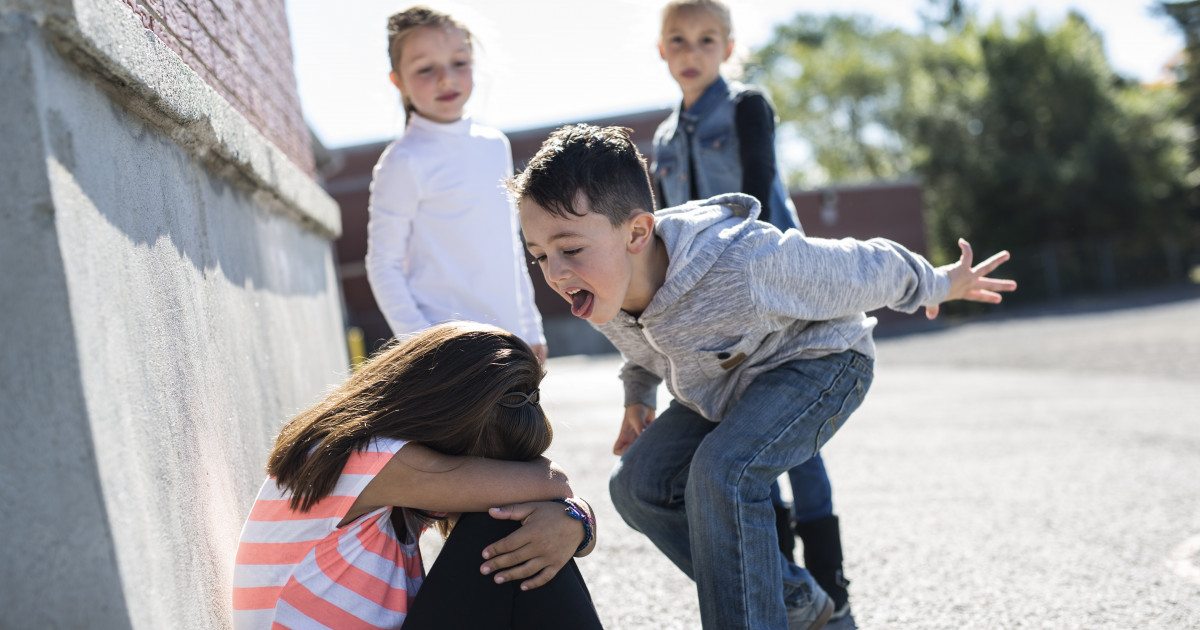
<point x="697" y="234"/>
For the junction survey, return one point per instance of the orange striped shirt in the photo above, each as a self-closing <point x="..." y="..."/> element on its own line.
<point x="300" y="570"/>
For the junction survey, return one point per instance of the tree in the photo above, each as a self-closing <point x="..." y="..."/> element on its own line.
<point x="1049" y="146"/>
<point x="1022" y="135"/>
<point x="1187" y="17"/>
<point x="835" y="82"/>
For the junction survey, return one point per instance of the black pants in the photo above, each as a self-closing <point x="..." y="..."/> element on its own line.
<point x="456" y="595"/>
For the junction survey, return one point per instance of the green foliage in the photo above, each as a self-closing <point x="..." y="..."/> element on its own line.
<point x="1022" y="135"/>
<point x="835" y="82"/>
<point x="1187" y="17"/>
<point x="1046" y="144"/>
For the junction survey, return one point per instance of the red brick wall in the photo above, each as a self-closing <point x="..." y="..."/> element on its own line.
<point x="242" y="49"/>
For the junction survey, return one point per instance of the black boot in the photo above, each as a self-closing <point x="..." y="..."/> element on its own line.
<point x="783" y="527"/>
<point x="822" y="540"/>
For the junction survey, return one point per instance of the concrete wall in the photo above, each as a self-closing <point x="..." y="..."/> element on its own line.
<point x="168" y="300"/>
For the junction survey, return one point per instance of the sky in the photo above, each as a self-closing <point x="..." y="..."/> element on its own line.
<point x="545" y="62"/>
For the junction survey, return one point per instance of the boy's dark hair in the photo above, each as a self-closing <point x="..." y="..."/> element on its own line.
<point x="600" y="163"/>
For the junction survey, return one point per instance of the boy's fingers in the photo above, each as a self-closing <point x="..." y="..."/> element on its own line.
<point x="624" y="439"/>
<point x="991" y="284"/>
<point x="931" y="312"/>
<point x="984" y="296"/>
<point x="967" y="253"/>
<point x="989" y="265"/>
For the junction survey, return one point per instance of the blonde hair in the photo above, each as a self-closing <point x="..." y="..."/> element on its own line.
<point x="716" y="8"/>
<point x="404" y="23"/>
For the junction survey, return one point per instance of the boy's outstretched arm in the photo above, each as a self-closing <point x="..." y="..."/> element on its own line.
<point x="972" y="283"/>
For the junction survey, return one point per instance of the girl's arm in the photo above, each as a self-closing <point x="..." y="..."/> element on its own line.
<point x="421" y="478"/>
<point x="754" y="119"/>
<point x="395" y="196"/>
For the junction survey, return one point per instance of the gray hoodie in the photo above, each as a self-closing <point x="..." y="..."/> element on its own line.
<point x="742" y="298"/>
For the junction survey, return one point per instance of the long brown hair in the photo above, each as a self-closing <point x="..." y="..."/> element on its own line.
<point x="402" y="24"/>
<point x="441" y="388"/>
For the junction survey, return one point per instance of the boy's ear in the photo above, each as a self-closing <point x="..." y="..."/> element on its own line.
<point x="641" y="231"/>
<point x="662" y="52"/>
<point x="728" y="50"/>
<point x="395" y="79"/>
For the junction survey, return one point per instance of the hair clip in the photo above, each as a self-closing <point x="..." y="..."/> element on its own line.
<point x="527" y="399"/>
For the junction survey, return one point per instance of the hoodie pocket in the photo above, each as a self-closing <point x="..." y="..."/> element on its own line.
<point x="721" y="362"/>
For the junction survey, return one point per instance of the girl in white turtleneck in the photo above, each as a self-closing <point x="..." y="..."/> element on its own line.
<point x="443" y="241"/>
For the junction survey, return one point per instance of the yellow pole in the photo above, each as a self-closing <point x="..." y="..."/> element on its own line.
<point x="356" y="346"/>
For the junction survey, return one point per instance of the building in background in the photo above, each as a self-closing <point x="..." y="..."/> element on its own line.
<point x="169" y="298"/>
<point x="889" y="209"/>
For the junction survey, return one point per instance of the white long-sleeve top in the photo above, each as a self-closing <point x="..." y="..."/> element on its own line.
<point x="443" y="239"/>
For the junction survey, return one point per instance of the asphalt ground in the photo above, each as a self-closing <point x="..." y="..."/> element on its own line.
<point x="1035" y="468"/>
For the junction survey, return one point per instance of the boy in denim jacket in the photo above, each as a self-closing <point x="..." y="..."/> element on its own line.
<point x="759" y="334"/>
<point x="721" y="139"/>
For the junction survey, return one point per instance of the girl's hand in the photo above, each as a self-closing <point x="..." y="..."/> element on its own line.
<point x="546" y="541"/>
<point x="637" y="418"/>
<point x="972" y="283"/>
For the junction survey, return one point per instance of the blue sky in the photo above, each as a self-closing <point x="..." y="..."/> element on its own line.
<point x="542" y="62"/>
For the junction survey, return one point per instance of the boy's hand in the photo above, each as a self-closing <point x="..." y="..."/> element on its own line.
<point x="546" y="541"/>
<point x="637" y="418"/>
<point x="972" y="283"/>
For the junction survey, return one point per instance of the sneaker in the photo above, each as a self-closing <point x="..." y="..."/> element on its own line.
<point x="835" y="585"/>
<point x="840" y="612"/>
<point x="814" y="616"/>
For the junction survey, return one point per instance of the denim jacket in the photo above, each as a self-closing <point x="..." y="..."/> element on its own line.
<point x="707" y="131"/>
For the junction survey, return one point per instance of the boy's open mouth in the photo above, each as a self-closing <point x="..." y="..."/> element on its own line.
<point x="582" y="302"/>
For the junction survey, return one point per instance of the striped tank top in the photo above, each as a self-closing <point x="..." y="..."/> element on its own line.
<point x="300" y="570"/>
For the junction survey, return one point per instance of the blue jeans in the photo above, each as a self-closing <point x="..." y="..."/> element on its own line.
<point x="701" y="491"/>
<point x="812" y="496"/>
